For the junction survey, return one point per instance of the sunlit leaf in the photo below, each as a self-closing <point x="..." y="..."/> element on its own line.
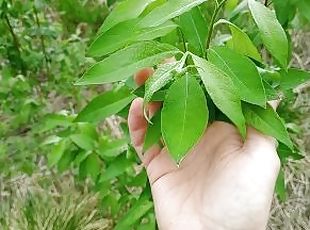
<point x="124" y="63"/>
<point x="126" y="10"/>
<point x="268" y="122"/>
<point x="195" y="30"/>
<point x="242" y="71"/>
<point x="125" y="34"/>
<point x="222" y="91"/>
<point x="240" y="41"/>
<point x="271" y="32"/>
<point x="184" y="116"/>
<point x="168" y="10"/>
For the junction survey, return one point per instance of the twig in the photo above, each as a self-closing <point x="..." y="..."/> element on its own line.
<point x="183" y="40"/>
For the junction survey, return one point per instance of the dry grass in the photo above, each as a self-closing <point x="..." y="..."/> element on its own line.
<point x="294" y="214"/>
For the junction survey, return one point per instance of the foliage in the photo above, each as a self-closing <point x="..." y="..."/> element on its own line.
<point x="220" y="69"/>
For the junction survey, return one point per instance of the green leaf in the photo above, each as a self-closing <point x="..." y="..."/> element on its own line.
<point x="285" y="10"/>
<point x="184" y="116"/>
<point x="285" y="153"/>
<point x="304" y="8"/>
<point x="195" y="30"/>
<point x="222" y="91"/>
<point x="280" y="186"/>
<point x="268" y="122"/>
<point x="153" y="132"/>
<point x="272" y="76"/>
<point x="152" y="6"/>
<point x="55" y="155"/>
<point x="66" y="160"/>
<point x="242" y="71"/>
<point x="83" y="141"/>
<point x="123" y="63"/>
<point x="293" y="78"/>
<point x="167" y="11"/>
<point x="116" y="168"/>
<point x="125" y="34"/>
<point x="52" y="121"/>
<point x="108" y="148"/>
<point x="134" y="214"/>
<point x="88" y="129"/>
<point x="272" y="34"/>
<point x="90" y="166"/>
<point x="271" y="93"/>
<point x="105" y="105"/>
<point x="241" y="42"/>
<point x="126" y="10"/>
<point x="161" y="77"/>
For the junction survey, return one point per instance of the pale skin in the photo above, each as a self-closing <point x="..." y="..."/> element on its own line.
<point x="223" y="183"/>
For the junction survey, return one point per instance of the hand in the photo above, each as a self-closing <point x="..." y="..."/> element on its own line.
<point x="223" y="183"/>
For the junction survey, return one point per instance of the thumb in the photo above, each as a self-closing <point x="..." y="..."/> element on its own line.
<point x="156" y="160"/>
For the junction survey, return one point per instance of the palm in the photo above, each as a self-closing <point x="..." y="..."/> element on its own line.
<point x="222" y="183"/>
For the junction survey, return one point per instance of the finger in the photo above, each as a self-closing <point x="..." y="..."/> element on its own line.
<point x="256" y="139"/>
<point x="159" y="166"/>
<point x="153" y="107"/>
<point x="137" y="124"/>
<point x="141" y="76"/>
<point x="156" y="161"/>
<point x="263" y="149"/>
<point x="137" y="128"/>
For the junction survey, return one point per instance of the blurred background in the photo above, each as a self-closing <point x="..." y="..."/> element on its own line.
<point x="49" y="166"/>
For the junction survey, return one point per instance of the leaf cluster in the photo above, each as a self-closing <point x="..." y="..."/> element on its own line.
<point x="226" y="80"/>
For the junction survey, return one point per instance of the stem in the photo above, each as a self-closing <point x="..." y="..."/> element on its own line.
<point x="214" y="16"/>
<point x="266" y="3"/>
<point x="183" y="40"/>
<point x="42" y="40"/>
<point x="16" y="43"/>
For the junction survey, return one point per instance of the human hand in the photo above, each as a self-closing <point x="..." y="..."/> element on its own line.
<point x="223" y="183"/>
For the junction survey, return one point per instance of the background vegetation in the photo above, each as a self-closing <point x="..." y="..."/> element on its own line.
<point x="50" y="177"/>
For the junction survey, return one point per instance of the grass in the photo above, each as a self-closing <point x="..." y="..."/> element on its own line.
<point x="41" y="202"/>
